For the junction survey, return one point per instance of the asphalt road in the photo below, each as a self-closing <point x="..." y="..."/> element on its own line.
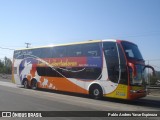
<point x="13" y="98"/>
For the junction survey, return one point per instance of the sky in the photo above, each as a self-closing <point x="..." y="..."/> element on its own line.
<point x="45" y="22"/>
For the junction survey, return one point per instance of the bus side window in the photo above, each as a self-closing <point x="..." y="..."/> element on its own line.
<point x="91" y="50"/>
<point x="74" y="51"/>
<point x="45" y="53"/>
<point x="59" y="51"/>
<point x="36" y="52"/>
<point x="18" y="54"/>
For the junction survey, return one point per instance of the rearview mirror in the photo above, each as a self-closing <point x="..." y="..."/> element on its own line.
<point x="148" y="66"/>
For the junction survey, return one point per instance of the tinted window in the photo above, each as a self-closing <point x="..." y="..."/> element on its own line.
<point x="91" y="50"/>
<point x="18" y="54"/>
<point x="59" y="51"/>
<point x="88" y="50"/>
<point x="47" y="71"/>
<point x="26" y="53"/>
<point x="33" y="52"/>
<point x="112" y="61"/>
<point x="40" y="52"/>
<point x="77" y="72"/>
<point x="123" y="66"/>
<point x="132" y="51"/>
<point x="74" y="51"/>
<point x="84" y="73"/>
<point x="46" y="53"/>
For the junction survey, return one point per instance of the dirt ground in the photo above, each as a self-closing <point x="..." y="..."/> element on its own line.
<point x="155" y="91"/>
<point x="152" y="91"/>
<point x="5" y="77"/>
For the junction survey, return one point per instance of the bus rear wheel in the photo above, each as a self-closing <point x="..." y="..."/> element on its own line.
<point x="26" y="85"/>
<point x="34" y="85"/>
<point x="96" y="92"/>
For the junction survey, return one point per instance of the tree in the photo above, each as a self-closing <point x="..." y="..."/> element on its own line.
<point x="6" y="66"/>
<point x="153" y="79"/>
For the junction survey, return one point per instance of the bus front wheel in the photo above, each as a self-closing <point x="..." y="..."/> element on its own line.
<point x="96" y="92"/>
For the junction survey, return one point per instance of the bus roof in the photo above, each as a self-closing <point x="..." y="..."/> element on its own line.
<point x="75" y="43"/>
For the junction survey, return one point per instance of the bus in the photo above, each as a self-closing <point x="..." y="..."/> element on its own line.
<point x="100" y="68"/>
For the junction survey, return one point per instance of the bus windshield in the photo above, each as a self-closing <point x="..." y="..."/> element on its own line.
<point x="131" y="51"/>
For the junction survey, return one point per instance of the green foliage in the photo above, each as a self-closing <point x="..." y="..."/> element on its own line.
<point x="6" y="66"/>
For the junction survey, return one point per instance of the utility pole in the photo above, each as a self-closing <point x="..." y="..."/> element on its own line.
<point x="27" y="45"/>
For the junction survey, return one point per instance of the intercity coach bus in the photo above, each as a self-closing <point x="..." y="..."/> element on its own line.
<point x="100" y="68"/>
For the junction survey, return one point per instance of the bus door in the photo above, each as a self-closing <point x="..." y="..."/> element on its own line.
<point x="115" y="62"/>
<point x="116" y="68"/>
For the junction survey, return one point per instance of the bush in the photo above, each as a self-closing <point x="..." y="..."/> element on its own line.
<point x="6" y="66"/>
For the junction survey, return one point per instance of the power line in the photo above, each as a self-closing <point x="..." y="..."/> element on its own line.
<point x="6" y="48"/>
<point x="4" y="58"/>
<point x="153" y="60"/>
<point x="140" y="34"/>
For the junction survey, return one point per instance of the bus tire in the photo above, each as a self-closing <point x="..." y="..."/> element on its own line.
<point x="26" y="84"/>
<point x="34" y="84"/>
<point x="96" y="92"/>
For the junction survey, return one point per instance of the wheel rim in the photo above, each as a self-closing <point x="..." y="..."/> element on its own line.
<point x="34" y="85"/>
<point x="25" y="84"/>
<point x="96" y="92"/>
